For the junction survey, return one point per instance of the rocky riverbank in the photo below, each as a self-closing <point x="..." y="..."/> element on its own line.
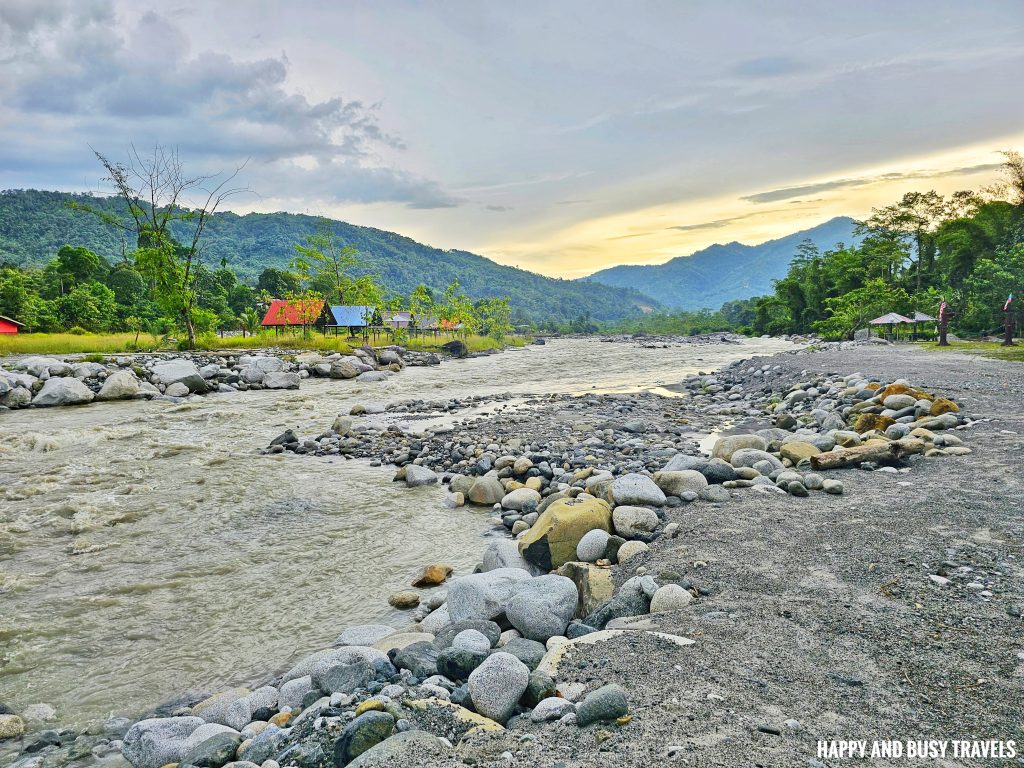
<point x="41" y="381"/>
<point x="585" y="636"/>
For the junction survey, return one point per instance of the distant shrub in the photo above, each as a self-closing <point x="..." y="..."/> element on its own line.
<point x="93" y="357"/>
<point x="79" y="331"/>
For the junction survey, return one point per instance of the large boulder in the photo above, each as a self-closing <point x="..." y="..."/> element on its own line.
<point x="521" y="500"/>
<point x="120" y="385"/>
<point x="593" y="585"/>
<point x="496" y="686"/>
<point x="158" y="741"/>
<point x="65" y="390"/>
<point x="542" y="607"/>
<point x="51" y="366"/>
<point x="416" y="475"/>
<point x="678" y="482"/>
<point x="553" y="538"/>
<point x="636" y="490"/>
<point x="483" y="595"/>
<point x="796" y="451"/>
<point x="280" y="379"/>
<point x="726" y="446"/>
<point x="344" y="369"/>
<point x="633" y="522"/>
<point x="486" y="490"/>
<point x="362" y="734"/>
<point x="181" y="371"/>
<point x="265" y="363"/>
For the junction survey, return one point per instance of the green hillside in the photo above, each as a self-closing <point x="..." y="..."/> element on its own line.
<point x="35" y="224"/>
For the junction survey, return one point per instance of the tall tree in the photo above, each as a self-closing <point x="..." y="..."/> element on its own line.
<point x="159" y="194"/>
<point x="326" y="264"/>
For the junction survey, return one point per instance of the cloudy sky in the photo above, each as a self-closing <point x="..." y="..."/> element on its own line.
<point x="560" y="137"/>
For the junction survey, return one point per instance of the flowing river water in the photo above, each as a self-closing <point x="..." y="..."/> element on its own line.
<point x="147" y="548"/>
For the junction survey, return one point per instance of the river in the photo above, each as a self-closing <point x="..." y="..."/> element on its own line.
<point x="147" y="548"/>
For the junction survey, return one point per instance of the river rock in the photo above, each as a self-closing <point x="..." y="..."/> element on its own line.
<point x="214" y="709"/>
<point x="169" y="372"/>
<point x="488" y="629"/>
<point x="11" y="726"/>
<point x="717" y="471"/>
<point x="682" y="461"/>
<point x="458" y="663"/>
<point x="365" y="732"/>
<point x="294" y="691"/>
<point x="631" y="522"/>
<point x="343" y="369"/>
<point x="748" y="457"/>
<point x="415" y="475"/>
<point x="670" y="597"/>
<point x="795" y="451"/>
<point x="504" y="553"/>
<point x="678" y="482"/>
<point x="521" y="499"/>
<point x="632" y="548"/>
<point x="900" y="401"/>
<point x="419" y="658"/>
<point x="432" y="575"/>
<point x="281" y="380"/>
<point x="158" y="741"/>
<point x="407" y="748"/>
<point x="593" y="545"/>
<point x="551" y="708"/>
<point x="471" y="640"/>
<point x="496" y="686"/>
<point x="483" y="595"/>
<point x="552" y="540"/>
<point x="345" y="678"/>
<point x="316" y="663"/>
<point x="17" y="397"/>
<point x="487" y="491"/>
<point x="214" y="752"/>
<point x="631" y="600"/>
<point x="364" y="634"/>
<point x="636" y="490"/>
<point x="177" y="389"/>
<point x="530" y="652"/>
<point x="593" y="585"/>
<point x="542" y="607"/>
<point x="404" y="600"/>
<point x="726" y="446"/>
<point x="63" y="391"/>
<point x="120" y="385"/>
<point x="606" y="703"/>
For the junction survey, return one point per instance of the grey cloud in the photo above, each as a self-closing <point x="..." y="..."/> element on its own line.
<point x="786" y="193"/>
<point x="718" y="223"/>
<point x="75" y="71"/>
<point x="497" y="208"/>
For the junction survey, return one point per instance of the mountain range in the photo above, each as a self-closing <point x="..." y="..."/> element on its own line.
<point x="721" y="273"/>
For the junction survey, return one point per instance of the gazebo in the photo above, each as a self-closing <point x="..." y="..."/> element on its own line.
<point x="891" y="319"/>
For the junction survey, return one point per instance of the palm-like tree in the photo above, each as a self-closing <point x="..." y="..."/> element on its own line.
<point x="249" y="322"/>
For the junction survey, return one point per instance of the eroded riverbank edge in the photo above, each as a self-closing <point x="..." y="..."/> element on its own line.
<point x="756" y="578"/>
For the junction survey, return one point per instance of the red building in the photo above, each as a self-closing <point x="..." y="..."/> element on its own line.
<point x="7" y="325"/>
<point x="294" y="314"/>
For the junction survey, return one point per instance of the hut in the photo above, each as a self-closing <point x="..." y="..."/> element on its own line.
<point x="354" y="318"/>
<point x="921" y="317"/>
<point x="892" y="319"/>
<point x="397" y="320"/>
<point x="9" y="325"/>
<point x="295" y="313"/>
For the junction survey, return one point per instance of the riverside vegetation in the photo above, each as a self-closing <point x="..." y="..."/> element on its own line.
<point x="586" y="487"/>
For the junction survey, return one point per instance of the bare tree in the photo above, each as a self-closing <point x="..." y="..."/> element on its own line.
<point x="158" y="194"/>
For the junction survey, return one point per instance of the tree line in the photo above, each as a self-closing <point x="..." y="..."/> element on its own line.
<point x="161" y="285"/>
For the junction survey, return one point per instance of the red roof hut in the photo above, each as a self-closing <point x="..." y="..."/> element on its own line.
<point x="9" y="325"/>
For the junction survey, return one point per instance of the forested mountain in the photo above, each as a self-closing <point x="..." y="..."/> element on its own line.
<point x="722" y="273"/>
<point x="35" y="224"/>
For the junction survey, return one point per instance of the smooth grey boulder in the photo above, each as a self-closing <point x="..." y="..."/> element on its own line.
<point x="542" y="607"/>
<point x="120" y="385"/>
<point x="483" y="595"/>
<point x="496" y="686"/>
<point x="281" y="380"/>
<point x="65" y="390"/>
<point x="181" y="371"/>
<point x="636" y="490"/>
<point x="158" y="741"/>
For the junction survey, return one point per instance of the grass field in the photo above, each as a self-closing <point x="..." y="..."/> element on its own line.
<point x="984" y="348"/>
<point x="112" y="343"/>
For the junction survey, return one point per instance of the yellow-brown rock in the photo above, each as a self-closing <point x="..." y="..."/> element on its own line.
<point x="903" y="389"/>
<point x="944" y="405"/>
<point x="433" y="574"/>
<point x="552" y="540"/>
<point x="281" y="719"/>
<point x="593" y="584"/>
<point x="796" y="451"/>
<point x="869" y="421"/>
